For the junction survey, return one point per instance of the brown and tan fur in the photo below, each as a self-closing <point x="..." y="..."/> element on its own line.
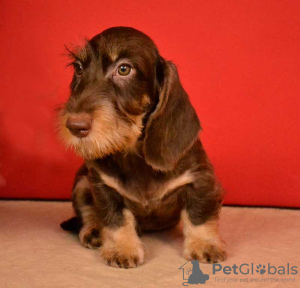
<point x="145" y="167"/>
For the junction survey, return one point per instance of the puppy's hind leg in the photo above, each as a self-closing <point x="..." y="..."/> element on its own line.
<point x="83" y="203"/>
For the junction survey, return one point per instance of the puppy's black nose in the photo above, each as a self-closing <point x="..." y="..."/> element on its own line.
<point x="79" y="124"/>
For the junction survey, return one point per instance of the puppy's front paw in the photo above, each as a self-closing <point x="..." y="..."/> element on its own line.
<point x="205" y="251"/>
<point x="90" y="237"/>
<point x="122" y="254"/>
<point x="202" y="242"/>
<point x="121" y="246"/>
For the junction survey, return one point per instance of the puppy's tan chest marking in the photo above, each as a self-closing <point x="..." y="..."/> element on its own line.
<point x="154" y="191"/>
<point x="158" y="191"/>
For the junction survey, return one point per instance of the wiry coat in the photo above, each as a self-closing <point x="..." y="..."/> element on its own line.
<point x="144" y="163"/>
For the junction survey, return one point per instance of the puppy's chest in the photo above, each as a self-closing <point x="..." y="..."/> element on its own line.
<point x="140" y="184"/>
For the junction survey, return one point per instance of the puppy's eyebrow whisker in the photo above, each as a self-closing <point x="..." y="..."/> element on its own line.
<point x="78" y="53"/>
<point x="73" y="54"/>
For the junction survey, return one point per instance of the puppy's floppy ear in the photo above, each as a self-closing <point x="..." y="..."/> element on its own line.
<point x="173" y="126"/>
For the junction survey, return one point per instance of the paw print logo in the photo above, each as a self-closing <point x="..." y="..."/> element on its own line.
<point x="261" y="269"/>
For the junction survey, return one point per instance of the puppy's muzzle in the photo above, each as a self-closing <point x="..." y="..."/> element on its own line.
<point x="79" y="124"/>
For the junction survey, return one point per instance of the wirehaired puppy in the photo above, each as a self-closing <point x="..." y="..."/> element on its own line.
<point x="145" y="168"/>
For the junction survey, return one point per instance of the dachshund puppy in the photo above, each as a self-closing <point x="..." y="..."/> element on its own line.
<point x="145" y="168"/>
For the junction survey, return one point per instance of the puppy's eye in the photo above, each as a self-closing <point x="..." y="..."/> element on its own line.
<point x="124" y="70"/>
<point x="78" y="68"/>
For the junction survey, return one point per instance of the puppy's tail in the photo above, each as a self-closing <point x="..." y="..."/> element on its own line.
<point x="73" y="225"/>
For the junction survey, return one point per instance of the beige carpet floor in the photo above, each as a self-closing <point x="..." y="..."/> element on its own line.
<point x="35" y="252"/>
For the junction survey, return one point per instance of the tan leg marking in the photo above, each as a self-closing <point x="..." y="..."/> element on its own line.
<point x="121" y="247"/>
<point x="202" y="242"/>
<point x="89" y="234"/>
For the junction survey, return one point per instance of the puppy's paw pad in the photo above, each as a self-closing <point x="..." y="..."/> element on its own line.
<point x="208" y="253"/>
<point x="90" y="237"/>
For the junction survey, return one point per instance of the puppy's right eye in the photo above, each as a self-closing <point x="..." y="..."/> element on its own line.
<point x="78" y="68"/>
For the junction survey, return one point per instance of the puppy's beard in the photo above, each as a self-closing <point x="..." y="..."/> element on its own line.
<point x="109" y="133"/>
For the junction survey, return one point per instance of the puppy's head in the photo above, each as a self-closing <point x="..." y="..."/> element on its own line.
<point x="123" y="91"/>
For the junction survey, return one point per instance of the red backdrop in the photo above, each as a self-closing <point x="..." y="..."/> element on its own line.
<point x="238" y="60"/>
